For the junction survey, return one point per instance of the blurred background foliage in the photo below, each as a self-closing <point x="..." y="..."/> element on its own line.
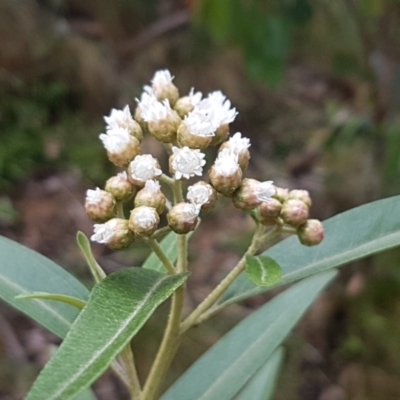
<point x="317" y="85"/>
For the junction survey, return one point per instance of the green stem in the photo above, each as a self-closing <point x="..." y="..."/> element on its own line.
<point x="213" y="297"/>
<point x="166" y="179"/>
<point x="161" y="255"/>
<point x="177" y="190"/>
<point x="160" y="232"/>
<point x="120" y="210"/>
<point x="172" y="337"/>
<point x="131" y="374"/>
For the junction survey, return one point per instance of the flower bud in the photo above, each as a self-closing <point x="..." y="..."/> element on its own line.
<point x="294" y="212"/>
<point x="121" y="146"/>
<point x="252" y="193"/>
<point x="225" y="175"/>
<point x="183" y="217"/>
<point x="99" y="205"/>
<point x="143" y="168"/>
<point x="302" y="195"/>
<point x="163" y="88"/>
<point x="191" y="139"/>
<point x="311" y="233"/>
<point x="269" y="209"/>
<point x="281" y="194"/>
<point x="115" y="233"/>
<point x="144" y="221"/>
<point x="187" y="103"/>
<point x="240" y="146"/>
<point x="266" y="221"/>
<point x="221" y="134"/>
<point x="185" y="162"/>
<point x="139" y="119"/>
<point x="151" y="196"/>
<point x="123" y="119"/>
<point x="120" y="187"/>
<point x="165" y="128"/>
<point x="202" y="194"/>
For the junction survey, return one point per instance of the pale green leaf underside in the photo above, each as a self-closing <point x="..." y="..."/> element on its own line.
<point x="349" y="236"/>
<point x="262" y="385"/>
<point x="223" y="370"/>
<point x="263" y="271"/>
<point x="117" y="308"/>
<point x="23" y="271"/>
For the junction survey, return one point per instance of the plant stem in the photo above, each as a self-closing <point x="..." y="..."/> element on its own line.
<point x="213" y="297"/>
<point x="166" y="179"/>
<point x="160" y="232"/>
<point x="120" y="209"/>
<point x="131" y="374"/>
<point x="172" y="337"/>
<point x="161" y="255"/>
<point x="177" y="190"/>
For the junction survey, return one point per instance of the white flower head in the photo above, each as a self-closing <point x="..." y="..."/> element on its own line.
<point x="119" y="118"/>
<point x="144" y="167"/>
<point x="152" y="186"/>
<point x="199" y="194"/>
<point x="226" y="164"/>
<point x="145" y="217"/>
<point x="162" y="78"/>
<point x="194" y="98"/>
<point x="238" y="144"/>
<point x="265" y="190"/>
<point x="201" y="120"/>
<point x="187" y="162"/>
<point x="94" y="196"/>
<point x="116" y="140"/>
<point x="104" y="233"/>
<point x="154" y="111"/>
<point x="224" y="114"/>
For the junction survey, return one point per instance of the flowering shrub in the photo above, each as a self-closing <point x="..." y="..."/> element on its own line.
<point x="97" y="327"/>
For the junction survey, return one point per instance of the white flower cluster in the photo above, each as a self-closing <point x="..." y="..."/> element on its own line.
<point x="187" y="125"/>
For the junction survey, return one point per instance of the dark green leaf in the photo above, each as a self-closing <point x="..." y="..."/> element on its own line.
<point x="117" y="308"/>
<point x="24" y="271"/>
<point x="223" y="370"/>
<point x="263" y="271"/>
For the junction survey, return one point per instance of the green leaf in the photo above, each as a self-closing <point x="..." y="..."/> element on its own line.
<point x="84" y="244"/>
<point x="224" y="369"/>
<point x="72" y="301"/>
<point x="262" y="385"/>
<point x="168" y="244"/>
<point x="263" y="271"/>
<point x="23" y="271"/>
<point x="117" y="308"/>
<point x="349" y="236"/>
<point x="86" y="394"/>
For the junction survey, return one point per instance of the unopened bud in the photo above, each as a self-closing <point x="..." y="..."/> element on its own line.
<point x="151" y="196"/>
<point x="294" y="212"/>
<point x="281" y="194"/>
<point x="99" y="205"/>
<point x="187" y="103"/>
<point x="115" y="233"/>
<point x="269" y="209"/>
<point x="221" y="134"/>
<point x="252" y="193"/>
<point x="191" y="139"/>
<point x="165" y="128"/>
<point x="302" y="195"/>
<point x="225" y="175"/>
<point x="163" y="88"/>
<point x="183" y="217"/>
<point x="202" y="194"/>
<point x="121" y="147"/>
<point x="144" y="221"/>
<point x="120" y="187"/>
<point x="311" y="233"/>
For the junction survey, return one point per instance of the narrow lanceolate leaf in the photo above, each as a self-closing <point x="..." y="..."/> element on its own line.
<point x="262" y="385"/>
<point x="117" y="308"/>
<point x="223" y="370"/>
<point x="349" y="236"/>
<point x="72" y="301"/>
<point x="24" y="271"/>
<point x="95" y="269"/>
<point x="168" y="245"/>
<point x="263" y="271"/>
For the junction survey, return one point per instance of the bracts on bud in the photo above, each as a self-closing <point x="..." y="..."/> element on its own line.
<point x="311" y="233"/>
<point x="294" y="212"/>
<point x="151" y="196"/>
<point x="183" y="217"/>
<point x="144" y="221"/>
<point x="115" y="233"/>
<point x="121" y="187"/>
<point x="99" y="205"/>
